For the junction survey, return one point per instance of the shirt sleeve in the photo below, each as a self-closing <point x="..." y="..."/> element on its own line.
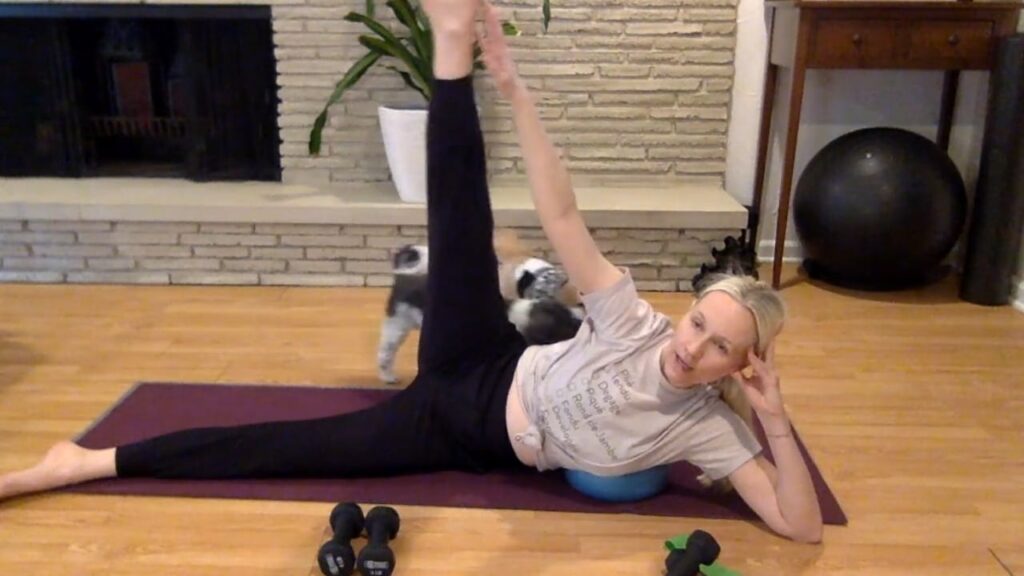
<point x="617" y="312"/>
<point x="725" y="443"/>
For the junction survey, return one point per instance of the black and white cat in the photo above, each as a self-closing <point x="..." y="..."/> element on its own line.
<point x="537" y="310"/>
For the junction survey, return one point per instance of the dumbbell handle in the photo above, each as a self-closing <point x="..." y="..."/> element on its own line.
<point x="347" y="533"/>
<point x="378" y="533"/>
<point x="683" y="564"/>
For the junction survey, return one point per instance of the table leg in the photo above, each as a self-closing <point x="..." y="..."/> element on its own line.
<point x="767" y="103"/>
<point x="792" y="131"/>
<point x="950" y="82"/>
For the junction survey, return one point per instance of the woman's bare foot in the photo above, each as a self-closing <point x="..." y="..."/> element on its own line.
<point x="447" y="16"/>
<point x="454" y="28"/>
<point x="65" y="463"/>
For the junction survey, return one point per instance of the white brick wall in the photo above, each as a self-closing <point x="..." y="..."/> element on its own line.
<point x="609" y="79"/>
<point x="641" y="87"/>
<point x="35" y="251"/>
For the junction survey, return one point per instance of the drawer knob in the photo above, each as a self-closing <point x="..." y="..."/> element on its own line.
<point x="857" y="39"/>
<point x="953" y="39"/>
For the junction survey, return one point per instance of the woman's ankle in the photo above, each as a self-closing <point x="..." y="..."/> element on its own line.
<point x="455" y="31"/>
<point x="452" y="16"/>
<point x="453" y="54"/>
<point x="68" y="463"/>
<point x="98" y="464"/>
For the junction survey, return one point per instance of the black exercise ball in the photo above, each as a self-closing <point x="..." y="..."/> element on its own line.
<point x="879" y="209"/>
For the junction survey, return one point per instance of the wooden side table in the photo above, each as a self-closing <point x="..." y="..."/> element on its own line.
<point x="858" y="34"/>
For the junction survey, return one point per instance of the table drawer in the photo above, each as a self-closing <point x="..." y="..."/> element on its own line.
<point x="949" y="43"/>
<point x="852" y="43"/>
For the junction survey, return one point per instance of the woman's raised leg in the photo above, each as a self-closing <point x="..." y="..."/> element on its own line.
<point x="465" y="314"/>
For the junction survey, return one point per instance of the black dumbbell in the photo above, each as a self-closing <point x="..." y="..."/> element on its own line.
<point x="376" y="558"/>
<point x="336" y="557"/>
<point x="701" y="548"/>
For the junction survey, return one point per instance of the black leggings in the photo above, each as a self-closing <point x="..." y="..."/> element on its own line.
<point x="452" y="416"/>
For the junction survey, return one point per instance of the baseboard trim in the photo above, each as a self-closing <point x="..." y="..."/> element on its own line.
<point x="791" y="252"/>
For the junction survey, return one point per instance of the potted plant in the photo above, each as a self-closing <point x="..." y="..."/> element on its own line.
<point x="403" y="128"/>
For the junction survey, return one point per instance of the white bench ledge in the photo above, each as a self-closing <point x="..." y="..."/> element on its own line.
<point x="610" y="202"/>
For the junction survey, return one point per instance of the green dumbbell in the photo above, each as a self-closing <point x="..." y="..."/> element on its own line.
<point x="678" y="544"/>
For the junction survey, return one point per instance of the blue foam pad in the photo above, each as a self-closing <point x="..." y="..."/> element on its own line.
<point x="625" y="488"/>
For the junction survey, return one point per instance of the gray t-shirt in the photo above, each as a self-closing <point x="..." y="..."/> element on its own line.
<point x="600" y="402"/>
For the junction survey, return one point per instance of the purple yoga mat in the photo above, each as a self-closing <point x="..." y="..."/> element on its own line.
<point x="155" y="408"/>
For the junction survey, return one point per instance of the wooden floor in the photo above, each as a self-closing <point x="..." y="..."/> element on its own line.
<point x="910" y="403"/>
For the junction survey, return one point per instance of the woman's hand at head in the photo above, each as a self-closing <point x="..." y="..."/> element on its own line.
<point x="762" y="389"/>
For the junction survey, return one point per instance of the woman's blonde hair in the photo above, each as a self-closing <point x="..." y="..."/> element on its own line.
<point x="769" y="313"/>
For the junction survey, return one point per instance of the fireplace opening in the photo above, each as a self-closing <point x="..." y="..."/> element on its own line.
<point x="144" y="91"/>
<point x="130" y="81"/>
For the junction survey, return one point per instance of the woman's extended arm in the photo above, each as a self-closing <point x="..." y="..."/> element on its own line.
<point x="550" y="184"/>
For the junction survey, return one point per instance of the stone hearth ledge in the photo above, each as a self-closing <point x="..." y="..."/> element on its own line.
<point x="608" y="202"/>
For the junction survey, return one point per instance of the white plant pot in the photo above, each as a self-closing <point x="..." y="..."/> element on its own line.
<point x="404" y="130"/>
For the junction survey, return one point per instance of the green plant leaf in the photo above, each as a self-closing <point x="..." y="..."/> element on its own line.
<point x="409" y="82"/>
<point x="392" y="46"/>
<point x="397" y="50"/>
<point x="421" y="17"/>
<point x="355" y="72"/>
<point x="403" y="11"/>
<point x="547" y="13"/>
<point x="510" y="29"/>
<point x="371" y="8"/>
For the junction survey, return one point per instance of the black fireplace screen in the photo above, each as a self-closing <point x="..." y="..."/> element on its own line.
<point x="154" y="91"/>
